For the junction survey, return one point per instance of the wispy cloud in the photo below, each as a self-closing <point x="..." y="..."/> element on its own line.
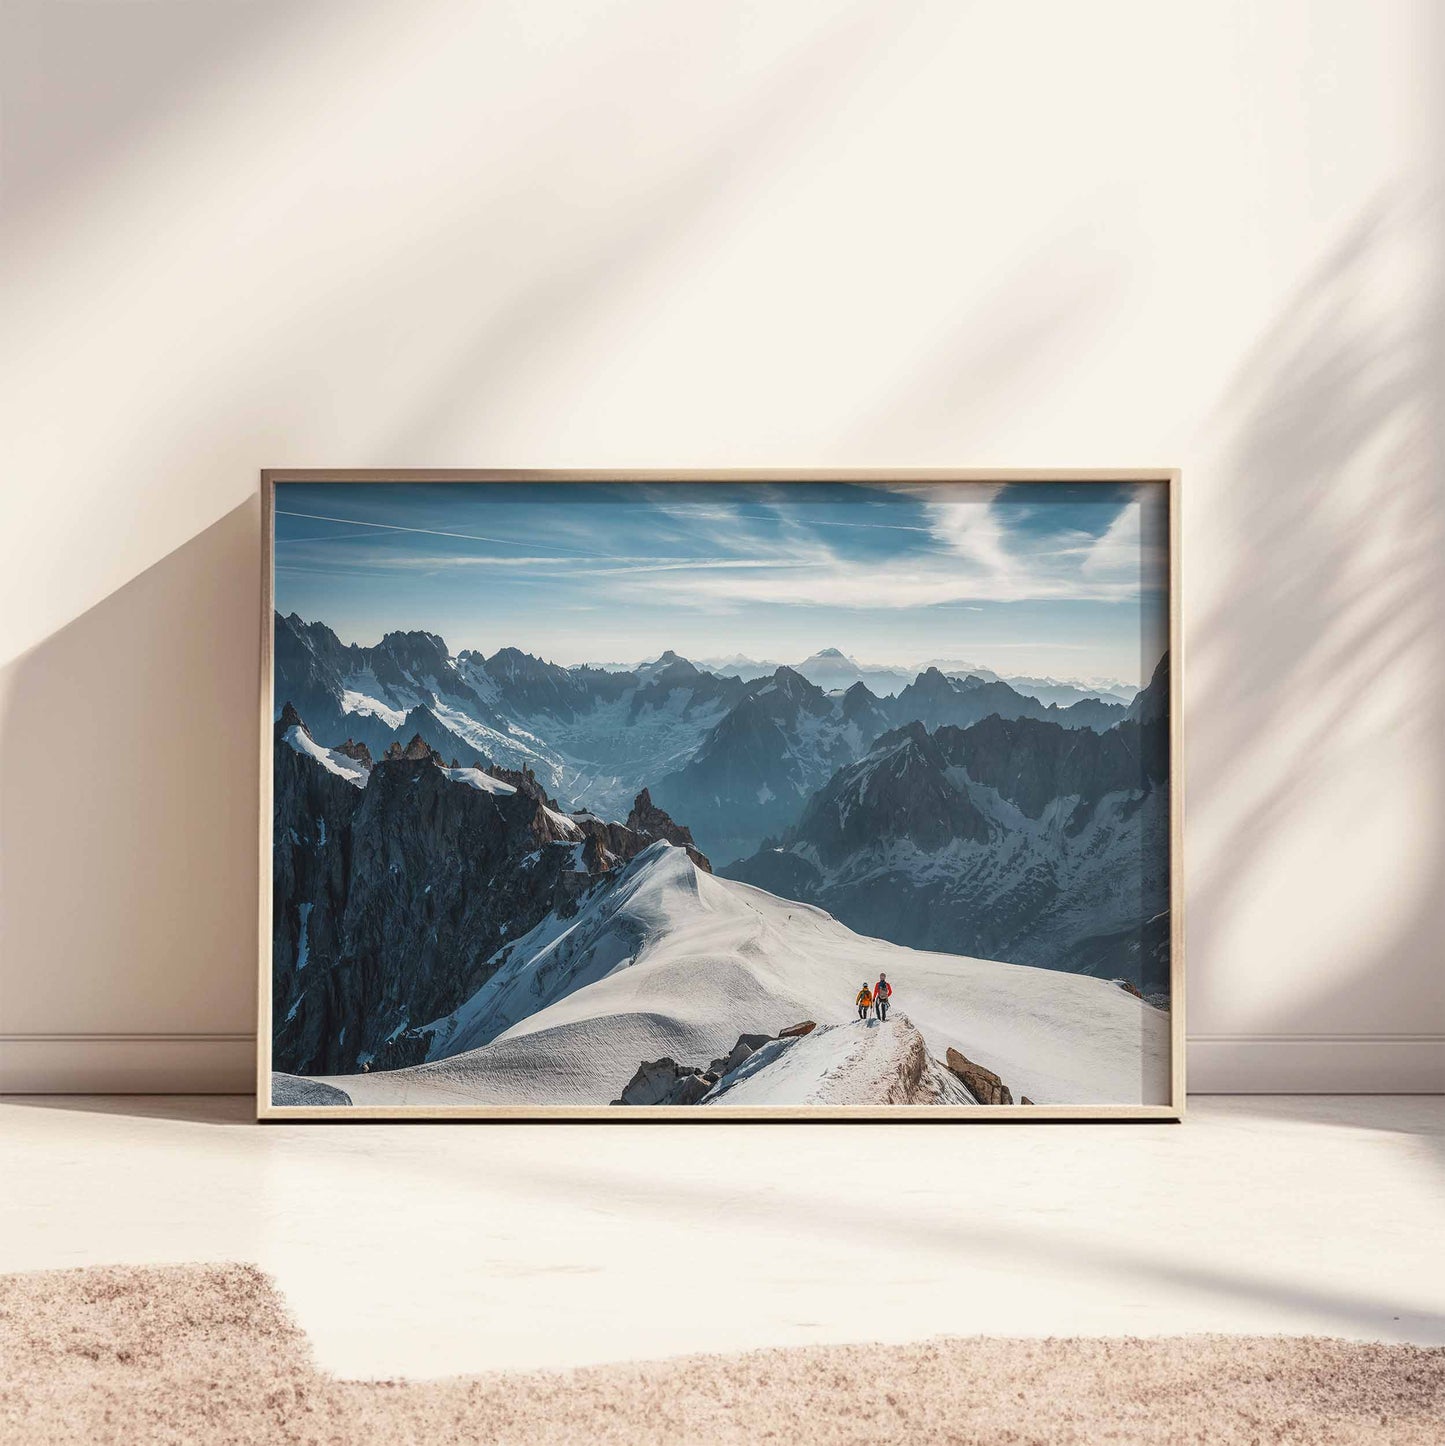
<point x="424" y="531"/>
<point x="770" y="569"/>
<point x="845" y="585"/>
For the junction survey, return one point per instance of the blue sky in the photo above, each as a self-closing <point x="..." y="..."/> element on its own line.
<point x="1067" y="580"/>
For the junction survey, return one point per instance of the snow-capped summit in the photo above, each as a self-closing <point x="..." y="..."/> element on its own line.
<point x="832" y="670"/>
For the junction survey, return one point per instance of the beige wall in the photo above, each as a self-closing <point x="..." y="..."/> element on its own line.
<point x="1206" y="235"/>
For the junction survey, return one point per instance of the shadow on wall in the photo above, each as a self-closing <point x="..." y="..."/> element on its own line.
<point x="1316" y="680"/>
<point x="128" y="785"/>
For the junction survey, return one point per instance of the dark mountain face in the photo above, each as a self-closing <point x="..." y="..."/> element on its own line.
<point x="313" y="669"/>
<point x="781" y="740"/>
<point x="1031" y="764"/>
<point x="391" y="898"/>
<point x="699" y="691"/>
<point x="1152" y="705"/>
<point x="1010" y="839"/>
<point x="900" y="791"/>
<point x="403" y="659"/>
<point x="865" y="712"/>
<point x="528" y="686"/>
<point x="784" y="737"/>
<point x="309" y="663"/>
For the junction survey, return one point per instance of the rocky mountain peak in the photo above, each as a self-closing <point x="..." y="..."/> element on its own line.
<point x="513" y="663"/>
<point x="290" y="718"/>
<point x="860" y="702"/>
<point x="359" y="751"/>
<point x="1152" y="703"/>
<point x="524" y="780"/>
<point x="910" y="733"/>
<point x="652" y="822"/>
<point x="647" y="818"/>
<point x="420" y="654"/>
<point x="900" y="790"/>
<point x="671" y="669"/>
<point x="420" y="751"/>
<point x="933" y="679"/>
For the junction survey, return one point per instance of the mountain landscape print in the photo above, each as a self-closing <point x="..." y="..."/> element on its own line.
<point x="719" y="796"/>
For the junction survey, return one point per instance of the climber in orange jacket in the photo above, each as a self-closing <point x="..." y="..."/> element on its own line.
<point x="864" y="1001"/>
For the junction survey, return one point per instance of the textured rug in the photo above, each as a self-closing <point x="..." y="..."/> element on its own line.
<point x="209" y="1354"/>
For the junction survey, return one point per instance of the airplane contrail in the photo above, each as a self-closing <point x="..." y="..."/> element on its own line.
<point x="433" y="532"/>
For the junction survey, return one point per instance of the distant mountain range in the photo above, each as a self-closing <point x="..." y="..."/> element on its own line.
<point x="833" y="669"/>
<point x="784" y="737"/>
<point x="738" y="755"/>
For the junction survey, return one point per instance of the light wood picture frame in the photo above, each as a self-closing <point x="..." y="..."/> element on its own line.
<point x="510" y="1004"/>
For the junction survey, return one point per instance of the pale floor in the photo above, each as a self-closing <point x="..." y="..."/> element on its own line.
<point x="432" y="1249"/>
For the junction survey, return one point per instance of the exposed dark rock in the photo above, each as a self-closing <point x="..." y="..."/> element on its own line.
<point x="648" y="819"/>
<point x="664" y="1082"/>
<point x="651" y="822"/>
<point x="419" y="751"/>
<point x="806" y="1027"/>
<point x="1128" y="988"/>
<point x="690" y="1089"/>
<point x="524" y="780"/>
<point x="983" y="1084"/>
<point x="359" y="751"/>
<point x="746" y="1046"/>
<point x="1025" y="1100"/>
<point x="781" y="739"/>
<point x="393" y="902"/>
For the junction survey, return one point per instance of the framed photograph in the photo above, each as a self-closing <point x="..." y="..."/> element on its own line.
<point x="720" y="796"/>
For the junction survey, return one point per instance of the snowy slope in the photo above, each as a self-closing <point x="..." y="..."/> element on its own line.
<point x="673" y="961"/>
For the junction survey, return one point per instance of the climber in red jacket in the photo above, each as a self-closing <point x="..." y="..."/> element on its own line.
<point x="882" y="992"/>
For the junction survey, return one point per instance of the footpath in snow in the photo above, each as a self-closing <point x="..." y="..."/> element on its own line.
<point x="865" y="1062"/>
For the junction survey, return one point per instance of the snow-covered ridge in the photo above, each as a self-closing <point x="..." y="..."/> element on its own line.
<point x="350" y="769"/>
<point x="479" y="779"/>
<point x="670" y="961"/>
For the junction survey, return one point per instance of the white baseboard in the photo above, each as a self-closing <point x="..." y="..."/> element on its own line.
<point x="78" y="1064"/>
<point x="127" y="1064"/>
<point x="1316" y="1064"/>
